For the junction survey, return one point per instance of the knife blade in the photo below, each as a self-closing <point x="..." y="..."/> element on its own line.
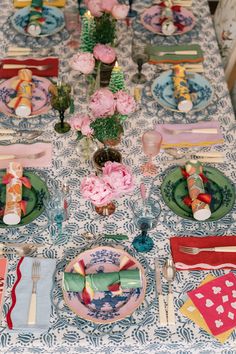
<point x="162" y="310"/>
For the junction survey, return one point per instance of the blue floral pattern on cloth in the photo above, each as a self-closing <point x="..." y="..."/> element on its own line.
<point x="141" y="332"/>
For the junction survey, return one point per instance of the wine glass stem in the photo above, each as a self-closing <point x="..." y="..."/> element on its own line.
<point x="130" y="5"/>
<point x="62" y="118"/>
<point x="140" y="65"/>
<point x="143" y="234"/>
<point x="149" y="160"/>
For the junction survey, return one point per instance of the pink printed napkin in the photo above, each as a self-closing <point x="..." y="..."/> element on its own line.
<point x="216" y="301"/>
<point x="189" y="139"/>
<point x="26" y="149"/>
<point x="3" y="272"/>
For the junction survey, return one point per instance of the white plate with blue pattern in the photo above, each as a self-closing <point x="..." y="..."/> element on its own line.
<point x="54" y="21"/>
<point x="199" y="88"/>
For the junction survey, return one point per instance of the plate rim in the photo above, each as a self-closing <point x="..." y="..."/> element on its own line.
<point x="192" y="219"/>
<point x="31" y="115"/>
<point x="167" y="35"/>
<point x="56" y="9"/>
<point x="142" y="296"/>
<point x="167" y="72"/>
<point x="5" y="226"/>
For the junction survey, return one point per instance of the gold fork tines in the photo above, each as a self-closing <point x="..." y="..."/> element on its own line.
<point x="194" y="250"/>
<point x="35" y="276"/>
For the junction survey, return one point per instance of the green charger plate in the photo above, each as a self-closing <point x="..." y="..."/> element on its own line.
<point x="174" y="189"/>
<point x="33" y="196"/>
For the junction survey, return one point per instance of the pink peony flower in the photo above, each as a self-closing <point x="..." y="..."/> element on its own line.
<point x="107" y="5"/>
<point x="104" y="53"/>
<point x="95" y="7"/>
<point x="125" y="104"/>
<point x="118" y="177"/>
<point x="83" y="62"/>
<point x="120" y="12"/>
<point x="94" y="189"/>
<point x="102" y="103"/>
<point x="81" y="122"/>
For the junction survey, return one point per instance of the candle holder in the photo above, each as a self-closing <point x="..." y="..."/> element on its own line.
<point x="61" y="100"/>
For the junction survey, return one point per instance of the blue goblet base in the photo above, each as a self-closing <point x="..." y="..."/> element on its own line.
<point x="143" y="244"/>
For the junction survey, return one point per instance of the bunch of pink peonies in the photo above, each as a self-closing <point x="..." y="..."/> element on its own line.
<point x="85" y="62"/>
<point x="115" y="181"/>
<point x="81" y="122"/>
<point x="98" y="7"/>
<point x="104" y="103"/>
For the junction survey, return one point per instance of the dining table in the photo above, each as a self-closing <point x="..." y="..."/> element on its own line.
<point x="140" y="332"/>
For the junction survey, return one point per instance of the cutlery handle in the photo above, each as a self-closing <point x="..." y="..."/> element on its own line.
<point x="171" y="312"/>
<point x="7" y="157"/>
<point x="205" y="131"/>
<point x="16" y="54"/>
<point x="225" y="249"/>
<point x="209" y="154"/>
<point x="6" y="137"/>
<point x="18" y="49"/>
<point x="185" y="52"/>
<point x="204" y="159"/>
<point x="162" y="310"/>
<point x="14" y="66"/>
<point x="32" y="310"/>
<point x="6" y="131"/>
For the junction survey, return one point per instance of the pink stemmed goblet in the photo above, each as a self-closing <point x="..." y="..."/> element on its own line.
<point x="151" y="141"/>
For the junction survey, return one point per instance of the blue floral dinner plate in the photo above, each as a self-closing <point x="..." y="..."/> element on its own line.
<point x="54" y="21"/>
<point x="106" y="306"/>
<point x="199" y="87"/>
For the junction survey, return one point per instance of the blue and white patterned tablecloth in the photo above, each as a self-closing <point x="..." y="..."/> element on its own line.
<point x="140" y="333"/>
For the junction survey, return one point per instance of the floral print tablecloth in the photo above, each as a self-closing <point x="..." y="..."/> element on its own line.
<point x="141" y="332"/>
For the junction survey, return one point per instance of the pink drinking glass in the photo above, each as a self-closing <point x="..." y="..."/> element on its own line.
<point x="73" y="26"/>
<point x="151" y="141"/>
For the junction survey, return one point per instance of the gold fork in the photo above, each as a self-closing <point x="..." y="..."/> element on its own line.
<point x="33" y="301"/>
<point x="24" y="66"/>
<point x="196" y="250"/>
<point x="16" y="157"/>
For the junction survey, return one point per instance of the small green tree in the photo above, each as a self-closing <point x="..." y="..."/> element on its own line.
<point x="117" y="81"/>
<point x="87" y="34"/>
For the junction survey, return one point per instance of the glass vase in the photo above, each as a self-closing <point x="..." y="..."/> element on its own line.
<point x="106" y="210"/>
<point x="101" y="156"/>
<point x="86" y="147"/>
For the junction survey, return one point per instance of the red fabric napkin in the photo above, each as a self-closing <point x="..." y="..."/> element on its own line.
<point x="52" y="71"/>
<point x="203" y="260"/>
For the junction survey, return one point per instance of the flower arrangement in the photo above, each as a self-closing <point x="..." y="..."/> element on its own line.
<point x="106" y="109"/>
<point x="85" y="62"/>
<point x="115" y="181"/>
<point x="106" y="12"/>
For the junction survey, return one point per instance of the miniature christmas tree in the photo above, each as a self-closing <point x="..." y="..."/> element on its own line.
<point x="117" y="81"/>
<point x="87" y="33"/>
<point x="105" y="29"/>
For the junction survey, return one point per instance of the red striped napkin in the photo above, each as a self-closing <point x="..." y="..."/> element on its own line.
<point x="203" y="260"/>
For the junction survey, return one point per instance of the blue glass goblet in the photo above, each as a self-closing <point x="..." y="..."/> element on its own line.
<point x="55" y="211"/>
<point x="145" y="214"/>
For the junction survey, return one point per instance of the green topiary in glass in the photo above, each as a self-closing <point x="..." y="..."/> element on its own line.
<point x="105" y="29"/>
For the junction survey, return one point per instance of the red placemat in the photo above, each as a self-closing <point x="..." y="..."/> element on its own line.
<point x="203" y="260"/>
<point x="52" y="71"/>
